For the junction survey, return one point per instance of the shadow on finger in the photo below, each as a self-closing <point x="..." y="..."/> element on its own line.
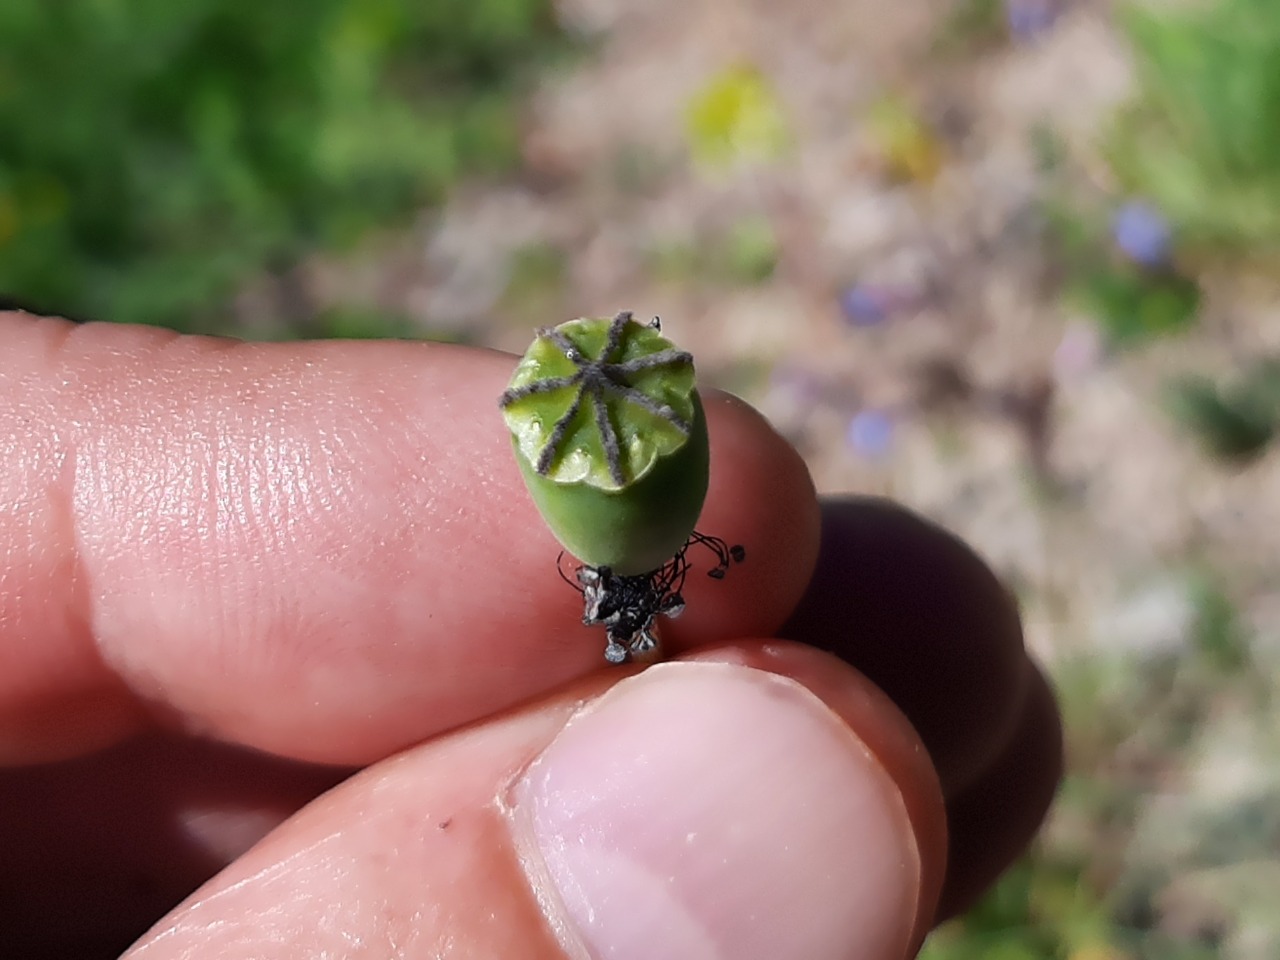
<point x="913" y="608"/>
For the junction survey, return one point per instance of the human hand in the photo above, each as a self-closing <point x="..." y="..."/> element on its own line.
<point x="235" y="574"/>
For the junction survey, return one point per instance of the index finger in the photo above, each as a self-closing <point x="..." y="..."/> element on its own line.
<point x="323" y="549"/>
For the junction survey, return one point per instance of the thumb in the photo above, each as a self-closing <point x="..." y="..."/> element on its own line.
<point x="710" y="808"/>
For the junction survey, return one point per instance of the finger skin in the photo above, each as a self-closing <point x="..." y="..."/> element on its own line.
<point x="59" y="696"/>
<point x="97" y="848"/>
<point x="416" y="855"/>
<point x="322" y="550"/>
<point x="924" y="618"/>
<point x="883" y="728"/>
<point x="916" y="610"/>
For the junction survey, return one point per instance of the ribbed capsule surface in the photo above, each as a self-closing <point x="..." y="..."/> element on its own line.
<point x="609" y="434"/>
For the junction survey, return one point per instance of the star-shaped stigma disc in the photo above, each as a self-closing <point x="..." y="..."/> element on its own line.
<point x="608" y="382"/>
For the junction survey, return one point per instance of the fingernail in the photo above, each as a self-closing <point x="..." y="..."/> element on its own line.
<point x="707" y="810"/>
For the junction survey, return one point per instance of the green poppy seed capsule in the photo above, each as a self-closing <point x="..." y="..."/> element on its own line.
<point x="609" y="434"/>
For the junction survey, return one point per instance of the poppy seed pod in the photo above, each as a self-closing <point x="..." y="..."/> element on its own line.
<point x="609" y="434"/>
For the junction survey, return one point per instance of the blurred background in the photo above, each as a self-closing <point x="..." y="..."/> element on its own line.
<point x="1011" y="262"/>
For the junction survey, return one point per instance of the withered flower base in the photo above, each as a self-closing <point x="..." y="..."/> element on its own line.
<point x="629" y="606"/>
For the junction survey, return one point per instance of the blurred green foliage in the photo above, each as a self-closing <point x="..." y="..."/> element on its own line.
<point x="1235" y="422"/>
<point x="1131" y="304"/>
<point x="1202" y="137"/>
<point x="154" y="155"/>
<point x="909" y="149"/>
<point x="1218" y="636"/>
<point x="970" y="25"/>
<point x="736" y="118"/>
<point x="368" y="323"/>
<point x="750" y="251"/>
<point x="1042" y="909"/>
<point x="742" y="253"/>
<point x="537" y="279"/>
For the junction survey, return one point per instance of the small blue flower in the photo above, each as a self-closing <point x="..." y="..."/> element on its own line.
<point x="1142" y="234"/>
<point x="1031" y="19"/>
<point x="870" y="434"/>
<point x="864" y="305"/>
